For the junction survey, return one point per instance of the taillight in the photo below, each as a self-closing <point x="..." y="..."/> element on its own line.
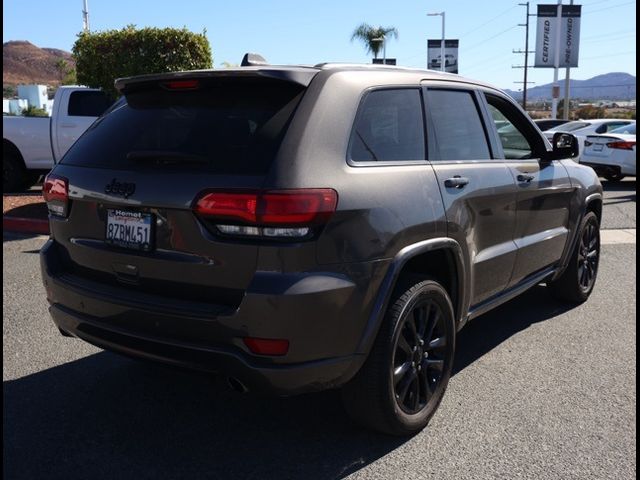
<point x="181" y="84"/>
<point x="273" y="214"/>
<point x="622" y="145"/>
<point x="56" y="193"/>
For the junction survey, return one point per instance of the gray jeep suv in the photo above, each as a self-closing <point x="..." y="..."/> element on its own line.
<point x="305" y="228"/>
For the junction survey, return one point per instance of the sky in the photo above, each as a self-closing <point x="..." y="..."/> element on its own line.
<point x="300" y="32"/>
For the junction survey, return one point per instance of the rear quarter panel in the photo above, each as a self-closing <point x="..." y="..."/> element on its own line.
<point x="381" y="208"/>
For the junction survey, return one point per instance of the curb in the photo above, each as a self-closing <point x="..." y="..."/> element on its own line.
<point x="25" y="225"/>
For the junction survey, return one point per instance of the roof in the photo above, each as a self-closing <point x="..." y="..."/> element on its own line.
<point x="300" y="74"/>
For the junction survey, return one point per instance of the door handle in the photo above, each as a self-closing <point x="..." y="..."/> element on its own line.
<point x="456" y="182"/>
<point x="525" y="178"/>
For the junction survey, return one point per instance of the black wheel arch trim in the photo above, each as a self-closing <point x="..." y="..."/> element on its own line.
<point x="571" y="244"/>
<point x="393" y="274"/>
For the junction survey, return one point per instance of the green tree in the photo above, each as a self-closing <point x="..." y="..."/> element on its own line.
<point x="67" y="72"/>
<point x="589" y="112"/>
<point x="102" y="57"/>
<point x="33" y="111"/>
<point x="370" y="37"/>
<point x="9" y="91"/>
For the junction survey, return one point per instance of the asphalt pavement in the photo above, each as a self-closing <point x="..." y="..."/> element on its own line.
<point x="541" y="389"/>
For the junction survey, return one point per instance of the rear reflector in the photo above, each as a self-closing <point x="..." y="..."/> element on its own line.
<point x="267" y="346"/>
<point x="297" y="209"/>
<point x="55" y="191"/>
<point x="622" y="145"/>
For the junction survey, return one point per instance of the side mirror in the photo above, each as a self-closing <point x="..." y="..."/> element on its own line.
<point x="565" y="145"/>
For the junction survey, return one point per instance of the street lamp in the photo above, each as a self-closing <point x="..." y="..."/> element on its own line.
<point x="384" y="47"/>
<point x="442" y="62"/>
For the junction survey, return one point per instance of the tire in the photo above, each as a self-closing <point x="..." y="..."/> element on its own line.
<point x="402" y="382"/>
<point x="14" y="175"/>
<point x="577" y="281"/>
<point x="614" y="177"/>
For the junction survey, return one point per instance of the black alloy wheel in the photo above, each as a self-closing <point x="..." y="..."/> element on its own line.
<point x="576" y="283"/>
<point x="402" y="383"/>
<point x="588" y="256"/>
<point x="419" y="356"/>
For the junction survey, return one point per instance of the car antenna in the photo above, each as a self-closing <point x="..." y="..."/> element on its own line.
<point x="253" y="60"/>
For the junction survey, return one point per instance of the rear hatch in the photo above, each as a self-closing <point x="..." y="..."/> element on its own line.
<point x="129" y="226"/>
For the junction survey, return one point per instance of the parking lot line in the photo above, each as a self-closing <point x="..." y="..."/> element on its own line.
<point x="618" y="236"/>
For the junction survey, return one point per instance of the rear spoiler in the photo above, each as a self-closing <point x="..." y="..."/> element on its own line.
<point x="298" y="75"/>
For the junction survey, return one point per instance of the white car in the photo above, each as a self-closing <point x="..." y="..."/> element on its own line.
<point x="582" y="128"/>
<point x="612" y="155"/>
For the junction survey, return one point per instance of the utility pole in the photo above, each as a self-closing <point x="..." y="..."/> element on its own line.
<point x="526" y="52"/>
<point x="85" y="16"/>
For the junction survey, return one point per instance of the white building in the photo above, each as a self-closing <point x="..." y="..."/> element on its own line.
<point x="34" y="95"/>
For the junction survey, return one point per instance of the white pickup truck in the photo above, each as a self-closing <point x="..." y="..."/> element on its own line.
<point x="32" y="145"/>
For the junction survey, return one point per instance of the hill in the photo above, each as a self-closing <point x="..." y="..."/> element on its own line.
<point x="23" y="62"/>
<point x="612" y="86"/>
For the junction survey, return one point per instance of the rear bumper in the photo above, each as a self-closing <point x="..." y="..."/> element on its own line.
<point x="322" y="315"/>
<point x="602" y="167"/>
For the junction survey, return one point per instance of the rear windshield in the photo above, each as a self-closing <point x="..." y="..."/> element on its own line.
<point x="626" y="129"/>
<point x="571" y="126"/>
<point x="229" y="126"/>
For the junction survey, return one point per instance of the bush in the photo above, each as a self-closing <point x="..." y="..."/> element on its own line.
<point x="32" y="111"/>
<point x="101" y="57"/>
<point x="589" y="112"/>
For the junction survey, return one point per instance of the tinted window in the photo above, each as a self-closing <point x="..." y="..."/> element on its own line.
<point x="228" y="127"/>
<point x="514" y="143"/>
<point x="456" y="122"/>
<point x="88" y="104"/>
<point x="388" y="126"/>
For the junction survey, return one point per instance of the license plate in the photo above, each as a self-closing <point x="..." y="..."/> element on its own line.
<point x="129" y="229"/>
<point x="598" y="147"/>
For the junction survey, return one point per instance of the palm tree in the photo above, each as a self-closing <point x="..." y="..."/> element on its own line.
<point x="371" y="36"/>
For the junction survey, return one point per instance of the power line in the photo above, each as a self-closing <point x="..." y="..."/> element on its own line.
<point x="607" y="8"/>
<point x="488" y="21"/>
<point x="477" y="44"/>
<point x="609" y="55"/>
<point x="610" y="39"/>
<point x="609" y="34"/>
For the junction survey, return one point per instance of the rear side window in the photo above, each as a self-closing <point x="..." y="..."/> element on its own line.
<point x="229" y="126"/>
<point x="389" y="127"/>
<point x="457" y="125"/>
<point x="88" y="104"/>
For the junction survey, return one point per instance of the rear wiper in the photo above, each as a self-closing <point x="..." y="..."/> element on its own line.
<point x="166" y="157"/>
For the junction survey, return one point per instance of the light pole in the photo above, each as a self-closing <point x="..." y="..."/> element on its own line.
<point x="442" y="62"/>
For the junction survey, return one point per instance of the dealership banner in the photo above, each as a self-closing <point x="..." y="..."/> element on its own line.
<point x="434" y="52"/>
<point x="552" y="29"/>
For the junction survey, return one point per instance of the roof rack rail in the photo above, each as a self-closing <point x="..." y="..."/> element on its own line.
<point x="253" y="60"/>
